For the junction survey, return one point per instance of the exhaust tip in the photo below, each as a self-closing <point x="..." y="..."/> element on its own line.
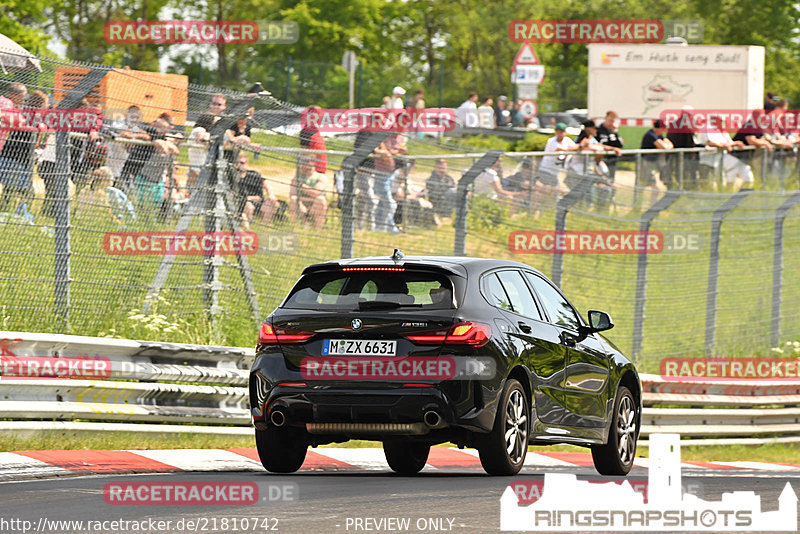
<point x="432" y="419"/>
<point x="277" y="417"/>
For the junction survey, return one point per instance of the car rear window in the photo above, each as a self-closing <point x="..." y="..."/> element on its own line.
<point x="373" y="289"/>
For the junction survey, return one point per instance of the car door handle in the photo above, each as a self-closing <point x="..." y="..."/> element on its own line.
<point x="566" y="339"/>
<point x="524" y="327"/>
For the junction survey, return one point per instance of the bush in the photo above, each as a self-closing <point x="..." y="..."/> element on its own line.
<point x="487" y="142"/>
<point x="532" y="142"/>
<point x="485" y="214"/>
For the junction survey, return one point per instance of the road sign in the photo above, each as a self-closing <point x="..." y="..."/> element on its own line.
<point x="528" y="91"/>
<point x="526" y="55"/>
<point x="528" y="73"/>
<point x="529" y="108"/>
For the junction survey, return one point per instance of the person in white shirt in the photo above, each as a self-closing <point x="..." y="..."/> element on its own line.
<point x="550" y="166"/>
<point x="715" y="135"/>
<point x="467" y="112"/>
<point x="488" y="183"/>
<point x="397" y="101"/>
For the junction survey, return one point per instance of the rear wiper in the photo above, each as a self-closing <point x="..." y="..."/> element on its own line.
<point x="384" y="304"/>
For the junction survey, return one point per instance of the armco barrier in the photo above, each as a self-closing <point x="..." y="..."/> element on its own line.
<point x="152" y="385"/>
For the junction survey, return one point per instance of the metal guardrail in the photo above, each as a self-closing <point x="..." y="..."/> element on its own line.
<point x="145" y="383"/>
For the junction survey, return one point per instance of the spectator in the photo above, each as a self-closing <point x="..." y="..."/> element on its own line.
<point x="366" y="200"/>
<point x="307" y="194"/>
<point x="685" y="139"/>
<point x="419" y="99"/>
<point x="239" y="135"/>
<point x="396" y="102"/>
<point x="607" y="135"/>
<point x="532" y="123"/>
<point x="716" y="136"/>
<point x="467" y="112"/>
<point x="139" y="154"/>
<point x="489" y="183"/>
<point x="412" y="206"/>
<point x="311" y="138"/>
<point x="587" y="141"/>
<point x="150" y="180"/>
<point x="487" y="103"/>
<point x="10" y="103"/>
<point x="127" y="127"/>
<point x="386" y="100"/>
<point x="254" y="194"/>
<point x="217" y="105"/>
<point x="441" y="189"/>
<point x="502" y="116"/>
<point x="751" y="134"/>
<point x="655" y="138"/>
<point x="517" y="118"/>
<point x="200" y="135"/>
<point x="18" y="153"/>
<point x="384" y="174"/>
<point x="486" y="114"/>
<point x="522" y="180"/>
<point x="551" y="166"/>
<point x="119" y="206"/>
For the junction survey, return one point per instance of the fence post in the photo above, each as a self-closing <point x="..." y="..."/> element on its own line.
<point x="681" y="167"/>
<point x="199" y="198"/>
<point x="636" y="180"/>
<point x="486" y="161"/>
<point x="350" y="166"/>
<point x="641" y="269"/>
<point x="214" y="211"/>
<point x="777" y="265"/>
<point x="62" y="250"/>
<point x="562" y="208"/>
<point x="764" y="164"/>
<point x="713" y="265"/>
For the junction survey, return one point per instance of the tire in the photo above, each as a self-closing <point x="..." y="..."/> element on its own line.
<point x="281" y="450"/>
<point x="616" y="457"/>
<point x="406" y="458"/>
<point x="513" y="419"/>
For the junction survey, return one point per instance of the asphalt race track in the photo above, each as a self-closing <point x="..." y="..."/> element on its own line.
<point x="332" y="498"/>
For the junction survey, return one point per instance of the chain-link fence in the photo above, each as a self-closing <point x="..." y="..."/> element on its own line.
<point x="188" y="213"/>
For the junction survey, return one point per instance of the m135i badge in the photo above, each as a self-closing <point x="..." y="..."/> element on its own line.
<point x="414" y="325"/>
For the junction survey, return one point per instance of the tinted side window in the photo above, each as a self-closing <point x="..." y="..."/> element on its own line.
<point x="559" y="310"/>
<point x="494" y="292"/>
<point x="518" y="293"/>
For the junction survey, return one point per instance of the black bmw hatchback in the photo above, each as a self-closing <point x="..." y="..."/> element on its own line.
<point x="416" y="351"/>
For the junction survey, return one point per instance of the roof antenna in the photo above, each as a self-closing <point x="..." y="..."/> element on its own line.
<point x="398" y="255"/>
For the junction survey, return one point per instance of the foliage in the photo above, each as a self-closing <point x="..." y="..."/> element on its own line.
<point x="486" y="142"/>
<point x="532" y="142"/>
<point x="485" y="214"/>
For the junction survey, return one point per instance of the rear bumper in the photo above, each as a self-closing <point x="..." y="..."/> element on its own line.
<point x="274" y="386"/>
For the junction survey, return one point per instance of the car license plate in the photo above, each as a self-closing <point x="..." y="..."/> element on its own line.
<point x="360" y="347"/>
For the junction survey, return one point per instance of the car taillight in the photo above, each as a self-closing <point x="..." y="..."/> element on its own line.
<point x="466" y="333"/>
<point x="272" y="336"/>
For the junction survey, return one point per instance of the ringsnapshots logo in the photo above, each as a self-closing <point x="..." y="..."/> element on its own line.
<point x="566" y="504"/>
<point x="430" y="120"/>
<point x="201" y="32"/>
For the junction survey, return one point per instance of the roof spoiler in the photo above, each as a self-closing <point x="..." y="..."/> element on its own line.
<point x="335" y="266"/>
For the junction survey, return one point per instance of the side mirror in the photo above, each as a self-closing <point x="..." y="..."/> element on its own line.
<point x="600" y="321"/>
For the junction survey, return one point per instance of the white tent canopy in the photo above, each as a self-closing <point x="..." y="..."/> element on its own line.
<point x="14" y="57"/>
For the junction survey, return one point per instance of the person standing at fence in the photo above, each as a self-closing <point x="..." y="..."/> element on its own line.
<point x="489" y="183"/>
<point x="656" y="139"/>
<point x="307" y="195"/>
<point x="608" y="135"/>
<point x="440" y="189"/>
<point x="18" y="155"/>
<point x="129" y="127"/>
<point x="254" y="194"/>
<point x="365" y="199"/>
<point x="384" y="175"/>
<point x="10" y="103"/>
<point x="552" y="165"/>
<point x="239" y="135"/>
<point x="396" y="102"/>
<point x="691" y="160"/>
<point x="217" y="105"/>
<point x="198" y="154"/>
<point x="715" y="136"/>
<point x="311" y="138"/>
<point x="149" y="183"/>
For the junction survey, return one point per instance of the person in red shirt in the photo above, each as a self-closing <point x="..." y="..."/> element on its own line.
<point x="311" y="138"/>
